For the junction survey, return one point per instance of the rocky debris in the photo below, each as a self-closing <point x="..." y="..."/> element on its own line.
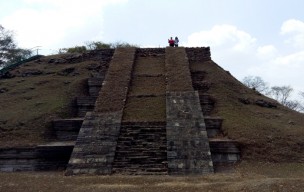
<point x="290" y="122"/>
<point x="66" y="71"/>
<point x="67" y="82"/>
<point x="259" y="102"/>
<point x="7" y="75"/>
<point x="245" y="101"/>
<point x="73" y="57"/>
<point x="267" y="104"/>
<point x="57" y="60"/>
<point x="3" y="90"/>
<point x="28" y="98"/>
<point x="38" y="61"/>
<point x="31" y="72"/>
<point x="43" y="82"/>
<point x="94" y="66"/>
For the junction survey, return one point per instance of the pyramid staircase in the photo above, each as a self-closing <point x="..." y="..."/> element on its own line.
<point x="172" y="132"/>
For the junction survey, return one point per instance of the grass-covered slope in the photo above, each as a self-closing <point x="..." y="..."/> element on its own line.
<point x="272" y="134"/>
<point x="42" y="90"/>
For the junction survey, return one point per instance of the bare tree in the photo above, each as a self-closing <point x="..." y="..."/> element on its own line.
<point x="282" y="93"/>
<point x="301" y="93"/>
<point x="294" y="105"/>
<point x="257" y="83"/>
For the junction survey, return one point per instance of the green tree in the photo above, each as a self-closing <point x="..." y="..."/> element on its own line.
<point x="9" y="52"/>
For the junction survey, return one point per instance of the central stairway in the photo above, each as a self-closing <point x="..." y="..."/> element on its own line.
<point x="142" y="145"/>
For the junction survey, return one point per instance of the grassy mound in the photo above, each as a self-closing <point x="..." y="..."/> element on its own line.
<point x="271" y="134"/>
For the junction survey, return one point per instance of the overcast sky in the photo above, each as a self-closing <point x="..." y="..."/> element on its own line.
<point x="247" y="37"/>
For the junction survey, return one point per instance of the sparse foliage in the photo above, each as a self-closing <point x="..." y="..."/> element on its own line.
<point x="256" y="83"/>
<point x="122" y="44"/>
<point x="94" y="45"/>
<point x="76" y="49"/>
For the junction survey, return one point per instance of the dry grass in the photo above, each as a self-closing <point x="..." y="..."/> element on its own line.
<point x="151" y="66"/>
<point x="248" y="177"/>
<point x="32" y="102"/>
<point x="142" y="85"/>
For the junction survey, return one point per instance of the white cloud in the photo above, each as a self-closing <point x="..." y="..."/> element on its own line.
<point x="266" y="52"/>
<point x="294" y="60"/>
<point x="54" y="24"/>
<point x="295" y="30"/>
<point x="223" y="36"/>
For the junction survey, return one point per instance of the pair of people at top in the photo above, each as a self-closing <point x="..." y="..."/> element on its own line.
<point x="173" y="42"/>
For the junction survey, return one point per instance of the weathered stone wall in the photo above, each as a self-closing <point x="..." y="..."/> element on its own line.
<point x="149" y="51"/>
<point x="187" y="141"/>
<point x="198" y="54"/>
<point x="188" y="149"/>
<point x="40" y="158"/>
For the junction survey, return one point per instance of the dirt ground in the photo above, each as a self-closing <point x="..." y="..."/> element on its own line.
<point x="247" y="177"/>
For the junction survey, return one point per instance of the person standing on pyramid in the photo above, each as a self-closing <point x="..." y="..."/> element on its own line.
<point x="176" y="42"/>
<point x="171" y="42"/>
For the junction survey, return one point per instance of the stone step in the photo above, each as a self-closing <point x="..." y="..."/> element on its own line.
<point x="95" y="84"/>
<point x="213" y="125"/>
<point x="85" y="104"/>
<point x="138" y="171"/>
<point x="67" y="129"/>
<point x="198" y="82"/>
<point x="141" y="149"/>
<point x="224" y="151"/>
<point x="207" y="103"/>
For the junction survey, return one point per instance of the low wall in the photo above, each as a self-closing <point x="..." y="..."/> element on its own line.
<point x="39" y="158"/>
